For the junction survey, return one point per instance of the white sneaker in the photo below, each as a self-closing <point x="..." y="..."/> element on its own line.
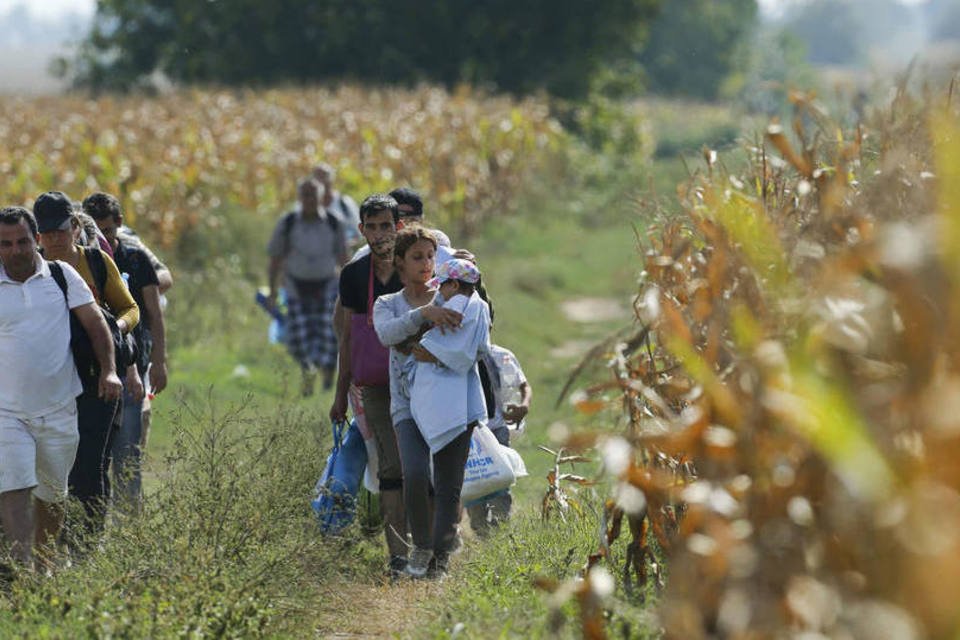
<point x="418" y="562"/>
<point x="457" y="545"/>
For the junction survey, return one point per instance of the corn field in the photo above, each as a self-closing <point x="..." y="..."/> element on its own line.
<point x="175" y="159"/>
<point x="791" y="388"/>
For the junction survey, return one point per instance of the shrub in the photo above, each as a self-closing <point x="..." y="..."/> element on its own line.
<point x="224" y="546"/>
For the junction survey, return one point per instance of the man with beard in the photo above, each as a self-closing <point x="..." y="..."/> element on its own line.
<point x="365" y="362"/>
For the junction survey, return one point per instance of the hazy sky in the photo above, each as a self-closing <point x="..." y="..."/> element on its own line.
<point x="50" y="8"/>
<point x="53" y="8"/>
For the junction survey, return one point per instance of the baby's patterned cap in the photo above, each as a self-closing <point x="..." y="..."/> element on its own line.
<point x="455" y="269"/>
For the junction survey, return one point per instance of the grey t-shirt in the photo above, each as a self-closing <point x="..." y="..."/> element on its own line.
<point x="310" y="249"/>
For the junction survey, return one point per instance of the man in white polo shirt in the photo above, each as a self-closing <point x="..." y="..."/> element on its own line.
<point x="39" y="383"/>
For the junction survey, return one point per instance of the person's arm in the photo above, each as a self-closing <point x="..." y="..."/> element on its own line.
<point x="164" y="278"/>
<point x="342" y="245"/>
<point x="119" y="300"/>
<point x="393" y="329"/>
<point x="338" y="411"/>
<point x="422" y="354"/>
<point x="273" y="278"/>
<point x="109" y="386"/>
<point x="133" y="383"/>
<point x="441" y="317"/>
<point x="514" y="413"/>
<point x="158" y="356"/>
<point x="337" y="318"/>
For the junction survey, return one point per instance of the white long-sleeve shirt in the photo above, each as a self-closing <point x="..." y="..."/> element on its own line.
<point x="446" y="397"/>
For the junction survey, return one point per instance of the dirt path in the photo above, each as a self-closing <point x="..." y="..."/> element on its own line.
<point x="360" y="610"/>
<point x="587" y="311"/>
<point x="593" y="309"/>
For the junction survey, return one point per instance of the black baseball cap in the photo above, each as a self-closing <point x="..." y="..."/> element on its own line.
<point x="52" y="210"/>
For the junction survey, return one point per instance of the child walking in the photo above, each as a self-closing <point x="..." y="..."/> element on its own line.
<point x="508" y="396"/>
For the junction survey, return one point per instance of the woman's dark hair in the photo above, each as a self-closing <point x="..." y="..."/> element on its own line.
<point x="13" y="215"/>
<point x="409" y="236"/>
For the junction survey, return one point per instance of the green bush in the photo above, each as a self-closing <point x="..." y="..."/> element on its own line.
<point x="225" y="546"/>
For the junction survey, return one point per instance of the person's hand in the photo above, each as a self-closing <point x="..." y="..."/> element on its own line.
<point x="158" y="377"/>
<point x="420" y="354"/>
<point x="134" y="384"/>
<point x="338" y="412"/>
<point x="441" y="318"/>
<point x="271" y="301"/>
<point x="109" y="387"/>
<point x="514" y="413"/>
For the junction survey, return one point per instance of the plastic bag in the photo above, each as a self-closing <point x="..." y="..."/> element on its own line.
<point x="340" y="481"/>
<point x="490" y="466"/>
<point x="370" y="480"/>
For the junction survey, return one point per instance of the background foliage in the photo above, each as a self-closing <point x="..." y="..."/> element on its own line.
<point x="516" y="47"/>
<point x="695" y="45"/>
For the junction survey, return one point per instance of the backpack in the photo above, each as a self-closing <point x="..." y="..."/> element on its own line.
<point x="84" y="357"/>
<point x="290" y="218"/>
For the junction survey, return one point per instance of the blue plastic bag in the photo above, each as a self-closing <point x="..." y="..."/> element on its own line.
<point x="337" y="488"/>
<point x="277" y="332"/>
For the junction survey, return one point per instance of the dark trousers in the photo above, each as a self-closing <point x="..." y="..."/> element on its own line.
<point x="448" y="469"/>
<point x="89" y="480"/>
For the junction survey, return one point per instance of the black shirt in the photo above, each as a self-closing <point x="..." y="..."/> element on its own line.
<point x="135" y="262"/>
<point x="354" y="280"/>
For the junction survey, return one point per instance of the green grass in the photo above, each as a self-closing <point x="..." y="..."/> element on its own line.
<point x="557" y="247"/>
<point x="235" y="450"/>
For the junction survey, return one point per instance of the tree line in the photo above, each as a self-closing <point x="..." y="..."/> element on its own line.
<point x="557" y="46"/>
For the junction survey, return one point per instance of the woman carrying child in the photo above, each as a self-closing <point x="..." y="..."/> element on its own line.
<point x="460" y="331"/>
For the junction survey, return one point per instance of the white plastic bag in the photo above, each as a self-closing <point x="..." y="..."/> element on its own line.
<point x="370" y="480"/>
<point x="489" y="467"/>
<point x="515" y="460"/>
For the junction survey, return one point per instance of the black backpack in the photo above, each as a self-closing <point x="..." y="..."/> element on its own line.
<point x="290" y="218"/>
<point x="84" y="357"/>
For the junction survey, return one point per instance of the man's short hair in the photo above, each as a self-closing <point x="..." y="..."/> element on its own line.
<point x="13" y="215"/>
<point x="326" y="170"/>
<point x="102" y="205"/>
<point x="407" y="196"/>
<point x="376" y="203"/>
<point x="311" y="183"/>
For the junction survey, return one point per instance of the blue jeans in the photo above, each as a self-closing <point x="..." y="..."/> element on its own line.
<point x="126" y="452"/>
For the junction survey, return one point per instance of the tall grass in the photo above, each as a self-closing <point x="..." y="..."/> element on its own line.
<point x="223" y="547"/>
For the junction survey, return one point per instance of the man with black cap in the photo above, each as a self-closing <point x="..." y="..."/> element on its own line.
<point x="59" y="240"/>
<point x="38" y="411"/>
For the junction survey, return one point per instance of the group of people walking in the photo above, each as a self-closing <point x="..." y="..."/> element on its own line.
<point x="83" y="342"/>
<point x="408" y="320"/>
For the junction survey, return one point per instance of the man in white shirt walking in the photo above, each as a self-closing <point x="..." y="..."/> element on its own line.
<point x="38" y="412"/>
